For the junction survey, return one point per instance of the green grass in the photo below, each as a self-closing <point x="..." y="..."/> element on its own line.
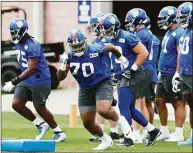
<point x="14" y="126"/>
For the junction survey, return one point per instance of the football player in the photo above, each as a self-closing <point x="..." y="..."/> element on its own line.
<point x="130" y="81"/>
<point x="34" y="83"/>
<point x="167" y="71"/>
<point x="88" y="67"/>
<point x="135" y="22"/>
<point x="154" y="53"/>
<point x="184" y="86"/>
<point x="95" y="27"/>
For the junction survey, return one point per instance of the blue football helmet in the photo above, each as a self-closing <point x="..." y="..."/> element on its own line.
<point x="134" y="18"/>
<point x="167" y="16"/>
<point x="94" y="24"/>
<point x="77" y="42"/>
<point x="111" y="26"/>
<point x="18" y="28"/>
<point x="148" y="23"/>
<point x="185" y="14"/>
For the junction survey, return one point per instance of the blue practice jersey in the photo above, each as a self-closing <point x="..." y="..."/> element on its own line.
<point x="185" y="44"/>
<point x="154" y="55"/>
<point x="125" y="42"/>
<point x="28" y="50"/>
<point x="106" y="57"/>
<point x="89" y="69"/>
<point x="168" y="57"/>
<point x="146" y="38"/>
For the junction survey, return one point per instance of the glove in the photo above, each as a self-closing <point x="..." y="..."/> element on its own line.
<point x="176" y="86"/>
<point x="175" y="77"/>
<point x="124" y="62"/>
<point x="114" y="79"/>
<point x="128" y="73"/>
<point x="8" y="86"/>
<point x="63" y="61"/>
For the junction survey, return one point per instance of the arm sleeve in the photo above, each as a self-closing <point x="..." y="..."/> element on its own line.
<point x="132" y="40"/>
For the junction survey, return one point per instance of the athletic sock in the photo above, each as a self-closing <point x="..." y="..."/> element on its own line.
<point x="149" y="127"/>
<point x="37" y="121"/>
<point x="179" y="130"/>
<point x="114" y="129"/>
<point x="165" y="130"/>
<point x="57" y="129"/>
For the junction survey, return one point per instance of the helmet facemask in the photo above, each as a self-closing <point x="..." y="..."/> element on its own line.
<point x="183" y="20"/>
<point x="110" y="33"/>
<point x="17" y="35"/>
<point x="78" y="49"/>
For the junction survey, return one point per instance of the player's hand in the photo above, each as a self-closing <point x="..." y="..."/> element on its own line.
<point x="176" y="86"/>
<point x="124" y="62"/>
<point x="63" y="61"/>
<point x="8" y="86"/>
<point x="175" y="77"/>
<point x="128" y="73"/>
<point x="114" y="79"/>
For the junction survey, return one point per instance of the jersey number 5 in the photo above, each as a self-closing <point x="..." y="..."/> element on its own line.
<point x="84" y="68"/>
<point x="20" y="56"/>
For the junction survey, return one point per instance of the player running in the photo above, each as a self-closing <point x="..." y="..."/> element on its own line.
<point x="168" y="71"/>
<point x="88" y="67"/>
<point x="130" y="83"/>
<point x="34" y="83"/>
<point x="94" y="26"/>
<point x="183" y="83"/>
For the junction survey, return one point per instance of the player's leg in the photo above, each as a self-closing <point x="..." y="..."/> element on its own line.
<point x="87" y="108"/>
<point x="186" y="91"/>
<point x="21" y="96"/>
<point x="135" y="125"/>
<point x="104" y="97"/>
<point x="162" y="110"/>
<point x="101" y="121"/>
<point x="39" y="97"/>
<point x="179" y="111"/>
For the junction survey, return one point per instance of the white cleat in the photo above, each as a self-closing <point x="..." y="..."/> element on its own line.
<point x="175" y="137"/>
<point x="59" y="136"/>
<point x="42" y="129"/>
<point x="105" y="144"/>
<point x="135" y="137"/>
<point x="162" y="137"/>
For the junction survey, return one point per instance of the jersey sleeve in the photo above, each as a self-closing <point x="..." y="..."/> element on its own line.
<point x="132" y="40"/>
<point x="178" y="35"/>
<point x="34" y="50"/>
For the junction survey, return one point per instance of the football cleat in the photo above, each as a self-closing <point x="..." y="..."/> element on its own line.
<point x="175" y="137"/>
<point x="188" y="142"/>
<point x="105" y="144"/>
<point x="152" y="136"/>
<point x="162" y="137"/>
<point x="127" y="142"/>
<point x="94" y="139"/>
<point x="42" y="129"/>
<point x="59" y="136"/>
<point x="114" y="136"/>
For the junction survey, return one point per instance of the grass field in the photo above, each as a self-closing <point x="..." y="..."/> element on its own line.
<point x="14" y="126"/>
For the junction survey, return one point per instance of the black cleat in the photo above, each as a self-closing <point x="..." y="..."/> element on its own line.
<point x="127" y="142"/>
<point x="153" y="136"/>
<point x="121" y="136"/>
<point x="114" y="136"/>
<point x="94" y="139"/>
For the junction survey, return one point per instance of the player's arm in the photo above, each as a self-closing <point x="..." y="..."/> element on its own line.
<point x="32" y="65"/>
<point x="111" y="48"/>
<point x="142" y="54"/>
<point x="64" y="67"/>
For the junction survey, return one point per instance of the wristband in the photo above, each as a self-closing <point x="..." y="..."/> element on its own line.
<point x="16" y="80"/>
<point x="134" y="67"/>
